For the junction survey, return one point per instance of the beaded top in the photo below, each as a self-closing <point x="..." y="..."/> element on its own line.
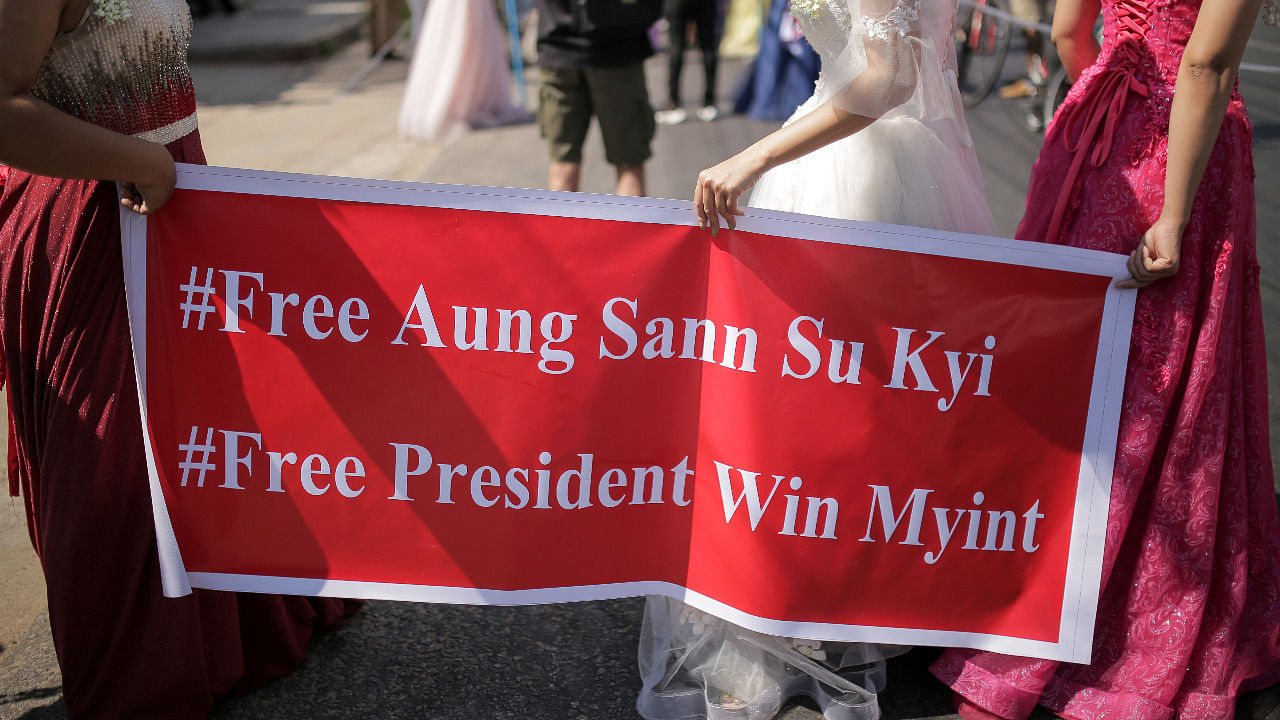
<point x="129" y="75"/>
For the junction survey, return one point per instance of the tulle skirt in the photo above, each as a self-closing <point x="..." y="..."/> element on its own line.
<point x="694" y="665"/>
<point x="897" y="170"/>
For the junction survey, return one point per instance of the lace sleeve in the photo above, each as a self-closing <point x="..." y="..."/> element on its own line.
<point x="895" y="25"/>
<point x="891" y="54"/>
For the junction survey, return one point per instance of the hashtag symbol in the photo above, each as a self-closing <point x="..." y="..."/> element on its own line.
<point x="191" y="448"/>
<point x="203" y="307"/>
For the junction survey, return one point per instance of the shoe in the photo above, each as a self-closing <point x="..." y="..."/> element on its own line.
<point x="1039" y="72"/>
<point x="707" y="113"/>
<point x="811" y="649"/>
<point x="1020" y="88"/>
<point x="674" y="116"/>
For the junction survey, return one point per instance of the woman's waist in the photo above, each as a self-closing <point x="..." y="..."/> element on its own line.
<point x="1133" y="60"/>
<point x="1153" y="62"/>
<point x="1130" y="74"/>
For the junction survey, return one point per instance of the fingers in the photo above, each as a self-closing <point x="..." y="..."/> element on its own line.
<point x="131" y="198"/>
<point x="723" y="200"/>
<point x="1137" y="266"/>
<point x="716" y="199"/>
<point x="728" y="204"/>
<point x="711" y="213"/>
<point x="1146" y="267"/>
<point x="1139" y="273"/>
<point x="698" y="205"/>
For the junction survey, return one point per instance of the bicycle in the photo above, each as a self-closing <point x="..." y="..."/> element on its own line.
<point x="982" y="43"/>
<point x="1055" y="92"/>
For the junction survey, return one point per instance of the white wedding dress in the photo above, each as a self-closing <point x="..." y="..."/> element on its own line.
<point x="915" y="165"/>
<point x="892" y="60"/>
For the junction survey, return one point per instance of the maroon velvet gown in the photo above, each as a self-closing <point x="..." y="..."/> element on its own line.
<point x="76" y="449"/>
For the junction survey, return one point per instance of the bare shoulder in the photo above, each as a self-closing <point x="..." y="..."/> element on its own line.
<point x="27" y="30"/>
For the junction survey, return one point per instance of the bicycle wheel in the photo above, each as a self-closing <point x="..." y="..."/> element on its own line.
<point x="1055" y="93"/>
<point x="982" y="43"/>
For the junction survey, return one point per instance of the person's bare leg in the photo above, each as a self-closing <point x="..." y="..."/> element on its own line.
<point x="630" y="180"/>
<point x="564" y="176"/>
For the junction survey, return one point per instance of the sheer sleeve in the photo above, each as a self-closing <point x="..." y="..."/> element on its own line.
<point x="884" y="55"/>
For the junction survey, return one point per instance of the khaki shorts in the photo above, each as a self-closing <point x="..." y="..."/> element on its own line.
<point x="617" y="97"/>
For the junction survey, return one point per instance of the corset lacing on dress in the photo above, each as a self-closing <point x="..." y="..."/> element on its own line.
<point x="1089" y="126"/>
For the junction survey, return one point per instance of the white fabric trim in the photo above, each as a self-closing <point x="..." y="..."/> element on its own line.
<point x="171" y="132"/>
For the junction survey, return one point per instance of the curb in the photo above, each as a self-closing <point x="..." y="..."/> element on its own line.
<point x="252" y="35"/>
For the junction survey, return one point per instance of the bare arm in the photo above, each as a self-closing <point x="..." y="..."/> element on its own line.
<point x="719" y="187"/>
<point x="884" y="81"/>
<point x="1206" y="77"/>
<point x="39" y="138"/>
<point x="1073" y="22"/>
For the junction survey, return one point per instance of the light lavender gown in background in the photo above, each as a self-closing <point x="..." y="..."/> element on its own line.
<point x="460" y="76"/>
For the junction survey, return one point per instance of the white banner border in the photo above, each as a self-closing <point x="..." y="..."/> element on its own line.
<point x="1093" y="491"/>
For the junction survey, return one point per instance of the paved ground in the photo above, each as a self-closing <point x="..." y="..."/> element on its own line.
<point x="567" y="662"/>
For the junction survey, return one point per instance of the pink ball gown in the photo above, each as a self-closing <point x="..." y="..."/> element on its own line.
<point x="1190" y="609"/>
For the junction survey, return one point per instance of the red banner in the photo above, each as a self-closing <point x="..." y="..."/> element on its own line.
<point x="810" y="427"/>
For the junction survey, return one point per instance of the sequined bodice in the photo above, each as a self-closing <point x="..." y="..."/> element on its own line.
<point x="128" y="75"/>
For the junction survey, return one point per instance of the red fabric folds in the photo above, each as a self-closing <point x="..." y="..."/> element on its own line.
<point x="76" y="455"/>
